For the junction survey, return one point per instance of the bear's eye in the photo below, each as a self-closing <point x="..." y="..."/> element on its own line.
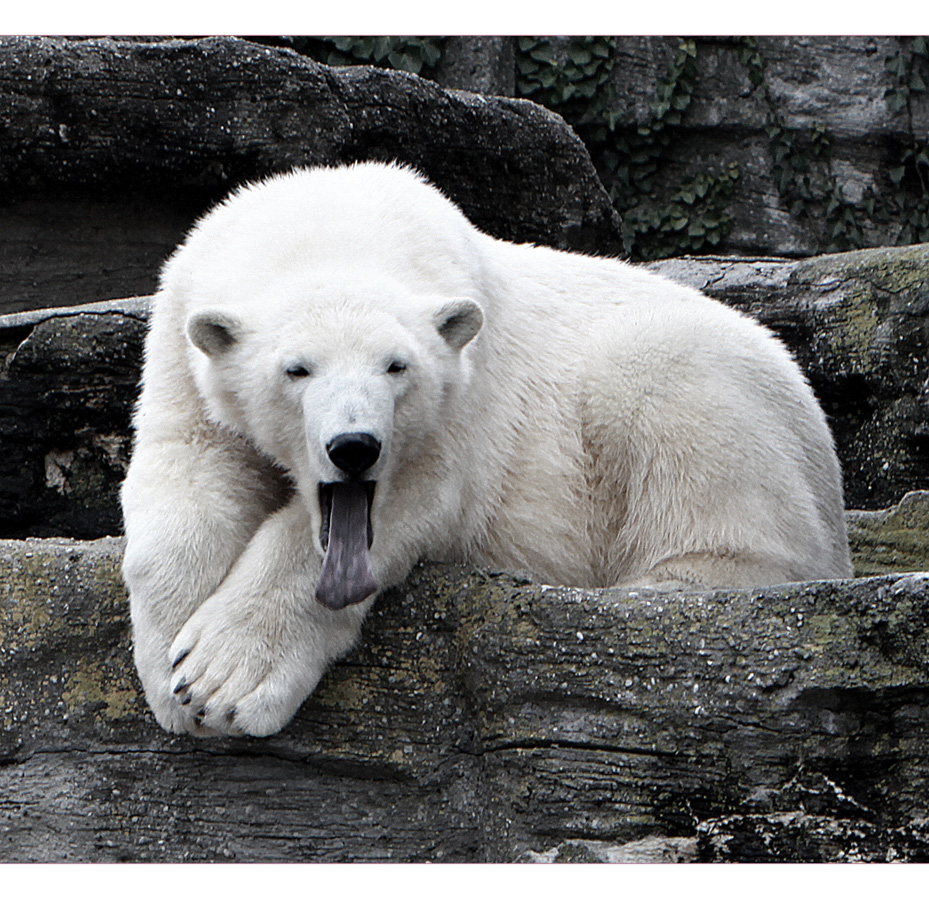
<point x="297" y="370"/>
<point x="396" y="367"/>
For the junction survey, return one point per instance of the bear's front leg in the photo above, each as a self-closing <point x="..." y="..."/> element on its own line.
<point x="191" y="507"/>
<point x="256" y="649"/>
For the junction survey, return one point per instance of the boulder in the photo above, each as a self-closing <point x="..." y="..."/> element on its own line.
<point x="68" y="383"/>
<point x="109" y="149"/>
<point x="484" y="718"/>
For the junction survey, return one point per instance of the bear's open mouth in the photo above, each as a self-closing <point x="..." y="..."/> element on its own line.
<point x="325" y="505"/>
<point x="346" y="536"/>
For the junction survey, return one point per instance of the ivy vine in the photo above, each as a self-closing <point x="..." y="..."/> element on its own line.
<point x="418" y="55"/>
<point x="909" y="197"/>
<point x="573" y="78"/>
<point x="802" y="168"/>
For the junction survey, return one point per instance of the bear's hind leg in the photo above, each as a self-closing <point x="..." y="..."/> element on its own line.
<point x="711" y="464"/>
<point x="702" y="570"/>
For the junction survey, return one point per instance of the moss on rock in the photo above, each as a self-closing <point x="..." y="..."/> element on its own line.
<point x="895" y="539"/>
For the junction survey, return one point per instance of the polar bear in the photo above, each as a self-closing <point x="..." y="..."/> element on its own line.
<point x="344" y="376"/>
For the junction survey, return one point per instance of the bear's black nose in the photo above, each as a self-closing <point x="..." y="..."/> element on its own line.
<point x="354" y="452"/>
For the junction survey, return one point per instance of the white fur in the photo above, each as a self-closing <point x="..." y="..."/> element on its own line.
<point x="604" y="426"/>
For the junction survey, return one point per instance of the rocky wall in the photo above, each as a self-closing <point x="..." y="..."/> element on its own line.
<point x="482" y="717"/>
<point x="109" y="149"/>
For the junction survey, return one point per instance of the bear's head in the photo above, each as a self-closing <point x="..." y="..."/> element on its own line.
<point x="343" y="380"/>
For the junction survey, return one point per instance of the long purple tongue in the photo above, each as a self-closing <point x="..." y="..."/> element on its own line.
<point x="346" y="576"/>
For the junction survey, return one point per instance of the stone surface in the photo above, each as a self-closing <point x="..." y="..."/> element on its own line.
<point x="891" y="540"/>
<point x="480" y="63"/>
<point x="837" y="87"/>
<point x="67" y="387"/>
<point x="109" y="149"/>
<point x="484" y="718"/>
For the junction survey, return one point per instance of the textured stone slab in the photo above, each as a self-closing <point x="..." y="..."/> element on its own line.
<point x="484" y="718"/>
<point x="833" y="85"/>
<point x="895" y="539"/>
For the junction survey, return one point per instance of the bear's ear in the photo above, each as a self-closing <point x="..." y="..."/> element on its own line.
<point x="213" y="331"/>
<point x="458" y="321"/>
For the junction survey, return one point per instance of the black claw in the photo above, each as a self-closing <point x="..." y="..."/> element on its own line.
<point x="230" y="716"/>
<point x="181" y="685"/>
<point x="187" y="700"/>
<point x="180" y="658"/>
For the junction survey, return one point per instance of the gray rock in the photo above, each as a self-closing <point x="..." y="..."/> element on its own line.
<point x="67" y="387"/>
<point x="479" y="63"/>
<point x="484" y="718"/>
<point x="111" y="148"/>
<point x="891" y="540"/>
<point x="839" y="84"/>
<point x="838" y="88"/>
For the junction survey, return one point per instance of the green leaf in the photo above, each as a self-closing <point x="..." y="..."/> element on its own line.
<point x="896" y="65"/>
<point x="407" y="62"/>
<point x="343" y="43"/>
<point x="543" y="53"/>
<point x="382" y="46"/>
<point x="580" y="55"/>
<point x="432" y="53"/>
<point x="547" y="78"/>
<point x="896" y="100"/>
